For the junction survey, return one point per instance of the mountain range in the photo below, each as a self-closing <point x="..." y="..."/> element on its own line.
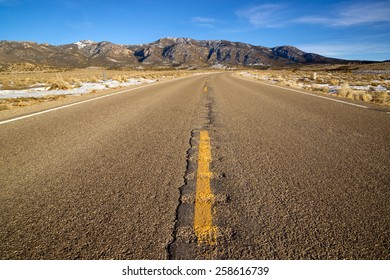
<point x="165" y="52"/>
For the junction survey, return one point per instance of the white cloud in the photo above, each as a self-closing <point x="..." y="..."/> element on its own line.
<point x="339" y="15"/>
<point x="353" y="14"/>
<point x="348" y="50"/>
<point x="266" y="15"/>
<point x="203" y="20"/>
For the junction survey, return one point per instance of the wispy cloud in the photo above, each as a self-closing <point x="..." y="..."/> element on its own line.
<point x="347" y="14"/>
<point x="266" y="15"/>
<point x="344" y="49"/>
<point x="205" y="22"/>
<point x="344" y="14"/>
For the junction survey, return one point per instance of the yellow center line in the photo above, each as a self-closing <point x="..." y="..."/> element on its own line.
<point x="204" y="198"/>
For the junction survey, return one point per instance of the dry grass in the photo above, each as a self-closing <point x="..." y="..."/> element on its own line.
<point x="12" y="103"/>
<point x="64" y="79"/>
<point x="60" y="79"/>
<point x="4" y="107"/>
<point x="380" y="97"/>
<point x="344" y="90"/>
<point x="366" y="97"/>
<point x="358" y="85"/>
<point x="121" y="78"/>
<point x="59" y="84"/>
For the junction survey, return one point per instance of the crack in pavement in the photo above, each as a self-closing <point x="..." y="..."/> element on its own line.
<point x="172" y="246"/>
<point x="183" y="244"/>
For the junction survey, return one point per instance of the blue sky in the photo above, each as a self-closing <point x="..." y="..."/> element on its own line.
<point x="343" y="29"/>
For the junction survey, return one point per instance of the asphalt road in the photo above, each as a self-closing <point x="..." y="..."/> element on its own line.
<point x="294" y="176"/>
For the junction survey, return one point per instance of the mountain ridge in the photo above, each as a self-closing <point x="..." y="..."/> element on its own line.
<point x="164" y="52"/>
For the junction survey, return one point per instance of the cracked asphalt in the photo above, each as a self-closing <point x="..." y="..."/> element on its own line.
<point x="296" y="177"/>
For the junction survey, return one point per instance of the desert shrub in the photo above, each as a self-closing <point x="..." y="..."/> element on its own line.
<point x="23" y="103"/>
<point x="120" y="78"/>
<point x="93" y="79"/>
<point x="334" y="82"/>
<point x="316" y="88"/>
<point x="4" y="107"/>
<point x="59" y="84"/>
<point x="325" y="89"/>
<point x="289" y="83"/>
<point x="6" y="85"/>
<point x="16" y="83"/>
<point x="366" y="97"/>
<point x="380" y="96"/>
<point x="353" y="95"/>
<point x="360" y="83"/>
<point x="344" y="90"/>
<point x="74" y="82"/>
<point x="350" y="95"/>
<point x="51" y="97"/>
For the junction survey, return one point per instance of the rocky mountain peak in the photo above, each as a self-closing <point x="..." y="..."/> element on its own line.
<point x="165" y="52"/>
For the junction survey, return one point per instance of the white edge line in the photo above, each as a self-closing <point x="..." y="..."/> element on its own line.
<point x="312" y="94"/>
<point x="84" y="101"/>
<point x="67" y="106"/>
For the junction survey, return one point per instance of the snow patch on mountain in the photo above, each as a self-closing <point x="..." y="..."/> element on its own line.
<point x="84" y="43"/>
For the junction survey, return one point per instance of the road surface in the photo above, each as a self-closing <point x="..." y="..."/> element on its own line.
<point x="205" y="167"/>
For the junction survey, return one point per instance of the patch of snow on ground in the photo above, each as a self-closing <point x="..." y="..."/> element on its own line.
<point x="218" y="66"/>
<point x="84" y="88"/>
<point x="380" y="88"/>
<point x="367" y="88"/>
<point x="332" y="89"/>
<point x="360" y="87"/>
<point x="250" y="75"/>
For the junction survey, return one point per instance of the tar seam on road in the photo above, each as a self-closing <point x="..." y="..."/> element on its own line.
<point x="204" y="198"/>
<point x="170" y="247"/>
<point x="311" y="94"/>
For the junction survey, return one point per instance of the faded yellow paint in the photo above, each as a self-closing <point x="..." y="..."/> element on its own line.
<point x="205" y="89"/>
<point x="204" y="198"/>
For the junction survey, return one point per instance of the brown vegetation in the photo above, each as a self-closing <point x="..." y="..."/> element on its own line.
<point x="370" y="85"/>
<point x="71" y="79"/>
<point x="11" y="103"/>
<point x="65" y="79"/>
